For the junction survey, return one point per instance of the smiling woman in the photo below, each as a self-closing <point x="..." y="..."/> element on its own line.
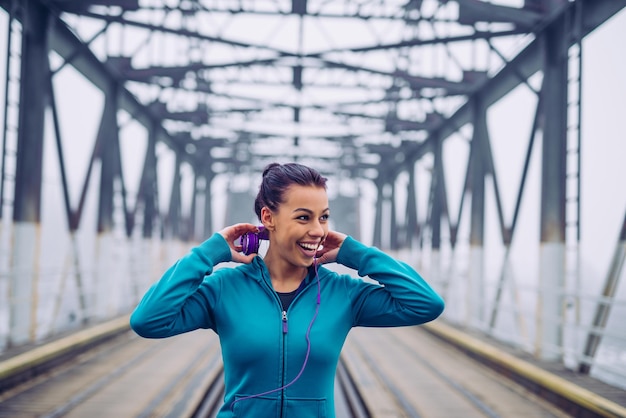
<point x="282" y="319"/>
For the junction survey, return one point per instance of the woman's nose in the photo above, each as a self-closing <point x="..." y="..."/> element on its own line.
<point x="317" y="230"/>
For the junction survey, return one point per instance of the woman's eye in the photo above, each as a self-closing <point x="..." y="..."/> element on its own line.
<point x="307" y="217"/>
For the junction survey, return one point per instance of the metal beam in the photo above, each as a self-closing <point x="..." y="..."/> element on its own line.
<point x="34" y="83"/>
<point x="553" y="190"/>
<point x="603" y="308"/>
<point x="474" y="11"/>
<point x="530" y="60"/>
<point x="107" y="145"/>
<point x="417" y="42"/>
<point x="148" y="189"/>
<point x="68" y="46"/>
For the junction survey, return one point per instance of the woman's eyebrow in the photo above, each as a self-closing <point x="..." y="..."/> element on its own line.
<point x="309" y="210"/>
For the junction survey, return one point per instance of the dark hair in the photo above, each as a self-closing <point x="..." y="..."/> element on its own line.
<point x="277" y="178"/>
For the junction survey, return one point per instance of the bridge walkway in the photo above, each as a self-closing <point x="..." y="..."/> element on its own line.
<point x="435" y="370"/>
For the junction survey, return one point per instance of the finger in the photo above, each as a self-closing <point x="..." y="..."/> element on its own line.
<point x="325" y="259"/>
<point x="246" y="227"/>
<point x="247" y="259"/>
<point x="235" y="231"/>
<point x="331" y="256"/>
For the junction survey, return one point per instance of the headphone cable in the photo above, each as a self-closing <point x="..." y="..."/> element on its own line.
<point x="308" y="347"/>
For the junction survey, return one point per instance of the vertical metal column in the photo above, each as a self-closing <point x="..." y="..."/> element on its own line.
<point x="9" y="128"/>
<point x="174" y="215"/>
<point x="107" y="142"/>
<point x="190" y="224"/>
<point x="437" y="209"/>
<point x="28" y="172"/>
<point x="107" y="153"/>
<point x="437" y="199"/>
<point x="149" y="185"/>
<point x="378" y="219"/>
<point x="476" y="293"/>
<point x="393" y="221"/>
<point x="553" y="188"/>
<point x="208" y="201"/>
<point x="412" y="226"/>
<point x="148" y="196"/>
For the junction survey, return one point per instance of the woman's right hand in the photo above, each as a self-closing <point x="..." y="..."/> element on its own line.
<point x="330" y="247"/>
<point x="232" y="234"/>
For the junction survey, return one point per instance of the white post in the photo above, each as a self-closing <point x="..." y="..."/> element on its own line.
<point x="550" y="301"/>
<point x="24" y="279"/>
<point x="104" y="272"/>
<point x="476" y="288"/>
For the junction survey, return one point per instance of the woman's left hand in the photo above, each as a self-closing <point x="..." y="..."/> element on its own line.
<point x="330" y="247"/>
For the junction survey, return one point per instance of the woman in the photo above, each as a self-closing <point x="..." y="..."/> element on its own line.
<point x="282" y="319"/>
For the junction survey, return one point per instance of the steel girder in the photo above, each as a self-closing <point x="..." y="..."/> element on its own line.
<point x="536" y="18"/>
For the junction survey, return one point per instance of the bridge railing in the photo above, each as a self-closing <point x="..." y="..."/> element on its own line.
<point x="508" y="310"/>
<point x="79" y="280"/>
<point x="85" y="279"/>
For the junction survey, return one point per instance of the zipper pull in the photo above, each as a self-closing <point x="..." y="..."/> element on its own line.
<point x="284" y="322"/>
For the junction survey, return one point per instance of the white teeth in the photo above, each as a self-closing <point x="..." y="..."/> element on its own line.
<point x="308" y="246"/>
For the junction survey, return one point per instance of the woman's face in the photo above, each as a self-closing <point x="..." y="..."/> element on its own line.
<point x="300" y="224"/>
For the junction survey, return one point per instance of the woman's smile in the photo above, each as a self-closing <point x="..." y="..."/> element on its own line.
<point x="309" y="249"/>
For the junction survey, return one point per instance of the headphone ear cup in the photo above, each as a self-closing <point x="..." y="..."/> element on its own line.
<point x="250" y="243"/>
<point x="263" y="233"/>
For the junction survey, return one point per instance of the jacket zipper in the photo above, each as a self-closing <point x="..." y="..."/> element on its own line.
<point x="285" y="320"/>
<point x="285" y="328"/>
<point x="282" y="392"/>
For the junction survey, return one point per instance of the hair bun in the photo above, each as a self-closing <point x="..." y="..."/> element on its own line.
<point x="269" y="167"/>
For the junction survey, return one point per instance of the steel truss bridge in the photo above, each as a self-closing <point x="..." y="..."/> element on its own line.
<point x="131" y="127"/>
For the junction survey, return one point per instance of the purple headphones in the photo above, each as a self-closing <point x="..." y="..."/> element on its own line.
<point x="251" y="241"/>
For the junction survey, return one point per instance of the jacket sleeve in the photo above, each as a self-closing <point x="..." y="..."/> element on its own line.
<point x="401" y="297"/>
<point x="183" y="299"/>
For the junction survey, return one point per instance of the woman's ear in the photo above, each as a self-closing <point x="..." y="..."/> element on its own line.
<point x="267" y="218"/>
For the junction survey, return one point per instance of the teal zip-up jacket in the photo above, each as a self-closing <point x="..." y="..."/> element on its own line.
<point x="264" y="348"/>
